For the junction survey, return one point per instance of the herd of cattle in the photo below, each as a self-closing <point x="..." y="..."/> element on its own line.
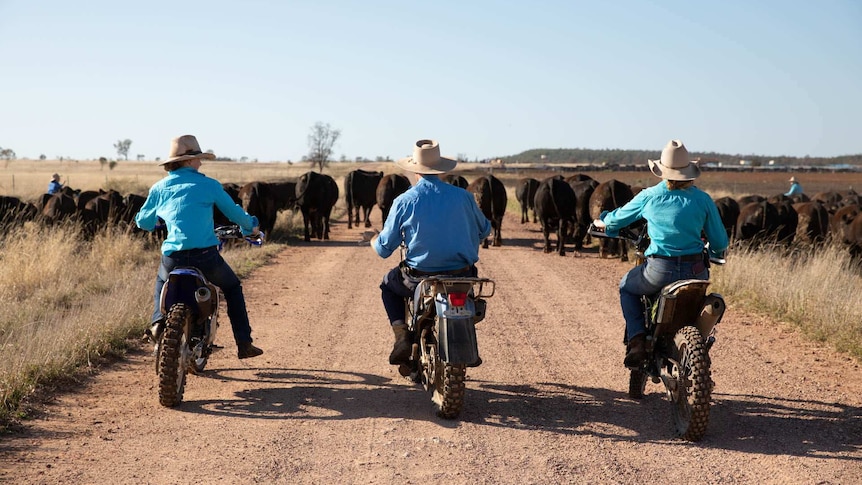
<point x="563" y="206"/>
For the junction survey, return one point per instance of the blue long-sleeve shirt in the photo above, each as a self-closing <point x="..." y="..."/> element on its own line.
<point x="795" y="188"/>
<point x="184" y="199"/>
<point x="675" y="219"/>
<point x="441" y="225"/>
<point x="54" y="187"/>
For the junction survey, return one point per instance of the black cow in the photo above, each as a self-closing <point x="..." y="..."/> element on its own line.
<point x="728" y="210"/>
<point x="749" y="199"/>
<point x="316" y="195"/>
<point x="266" y="199"/>
<point x="390" y="187"/>
<point x="757" y="222"/>
<point x="830" y="199"/>
<point x="490" y="194"/>
<point x="525" y="192"/>
<point x="59" y="207"/>
<point x="456" y="180"/>
<point x="787" y="221"/>
<point x="360" y="192"/>
<point x="13" y="211"/>
<point x="607" y="196"/>
<point x="854" y="237"/>
<point x="555" y="205"/>
<point x="232" y="190"/>
<point x="583" y="191"/>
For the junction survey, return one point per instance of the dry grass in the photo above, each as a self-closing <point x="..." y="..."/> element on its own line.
<point x="820" y="292"/>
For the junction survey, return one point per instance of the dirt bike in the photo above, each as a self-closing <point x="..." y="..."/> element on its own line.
<point x="189" y="304"/>
<point x="680" y="325"/>
<point x="441" y="318"/>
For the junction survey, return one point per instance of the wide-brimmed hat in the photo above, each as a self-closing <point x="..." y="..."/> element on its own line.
<point x="426" y="159"/>
<point x="56" y="176"/>
<point x="792" y="179"/>
<point x="186" y="147"/>
<point x="675" y="164"/>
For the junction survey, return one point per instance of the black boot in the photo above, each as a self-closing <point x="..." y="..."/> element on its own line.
<point x="154" y="332"/>
<point x="403" y="347"/>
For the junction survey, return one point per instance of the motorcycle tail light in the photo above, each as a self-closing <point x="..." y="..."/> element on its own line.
<point x="457" y="299"/>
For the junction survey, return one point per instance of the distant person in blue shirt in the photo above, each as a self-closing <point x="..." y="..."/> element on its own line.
<point x="184" y="200"/>
<point x="795" y="188"/>
<point x="54" y="185"/>
<point x="677" y="213"/>
<point x="441" y="226"/>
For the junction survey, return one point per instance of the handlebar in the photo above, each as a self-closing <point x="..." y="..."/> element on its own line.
<point x="224" y="233"/>
<point x="639" y="239"/>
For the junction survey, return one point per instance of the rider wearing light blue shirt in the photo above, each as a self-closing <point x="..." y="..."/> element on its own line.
<point x="795" y="188"/>
<point x="441" y="226"/>
<point x="677" y="213"/>
<point x="184" y="200"/>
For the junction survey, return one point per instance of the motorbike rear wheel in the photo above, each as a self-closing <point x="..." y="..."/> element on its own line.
<point x="449" y="389"/>
<point x="693" y="384"/>
<point x="637" y="384"/>
<point x="173" y="356"/>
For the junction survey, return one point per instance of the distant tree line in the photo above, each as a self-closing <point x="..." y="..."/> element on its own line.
<point x="634" y="157"/>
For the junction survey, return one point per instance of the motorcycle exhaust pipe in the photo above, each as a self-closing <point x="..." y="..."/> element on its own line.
<point x="203" y="294"/>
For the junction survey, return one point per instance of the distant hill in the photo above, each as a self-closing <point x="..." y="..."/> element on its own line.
<point x="635" y="157"/>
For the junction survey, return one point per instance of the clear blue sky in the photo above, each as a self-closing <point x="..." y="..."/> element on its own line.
<point x="485" y="78"/>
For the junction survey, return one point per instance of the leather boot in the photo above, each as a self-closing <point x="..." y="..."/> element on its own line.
<point x="636" y="351"/>
<point x="154" y="332"/>
<point x="246" y="350"/>
<point x="403" y="348"/>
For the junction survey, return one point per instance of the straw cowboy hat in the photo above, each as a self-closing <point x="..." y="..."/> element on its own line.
<point x="675" y="164"/>
<point x="186" y="147"/>
<point x="426" y="159"/>
<point x="56" y="176"/>
<point x="792" y="179"/>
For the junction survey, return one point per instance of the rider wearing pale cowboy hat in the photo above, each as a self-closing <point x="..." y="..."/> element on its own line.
<point x="795" y="188"/>
<point x="441" y="227"/>
<point x="677" y="213"/>
<point x="185" y="199"/>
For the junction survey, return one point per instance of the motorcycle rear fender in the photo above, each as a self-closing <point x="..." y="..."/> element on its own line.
<point x="456" y="336"/>
<point x="679" y="304"/>
<point x="181" y="286"/>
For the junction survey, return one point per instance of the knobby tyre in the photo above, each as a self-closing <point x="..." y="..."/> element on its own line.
<point x="694" y="385"/>
<point x="172" y="365"/>
<point x="637" y="384"/>
<point x="450" y="387"/>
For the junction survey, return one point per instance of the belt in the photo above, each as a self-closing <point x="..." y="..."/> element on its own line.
<point x="195" y="251"/>
<point x="419" y="273"/>
<point x="688" y="258"/>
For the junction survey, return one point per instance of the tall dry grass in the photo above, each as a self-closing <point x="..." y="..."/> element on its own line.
<point x="819" y="291"/>
<point x="64" y="300"/>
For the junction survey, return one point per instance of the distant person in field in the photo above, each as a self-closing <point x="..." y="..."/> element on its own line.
<point x="54" y="185"/>
<point x="795" y="188"/>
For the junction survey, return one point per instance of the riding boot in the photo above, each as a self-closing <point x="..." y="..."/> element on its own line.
<point x="155" y="331"/>
<point x="403" y="348"/>
<point x="636" y="351"/>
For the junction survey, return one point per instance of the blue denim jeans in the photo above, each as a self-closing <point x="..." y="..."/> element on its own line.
<point x="219" y="273"/>
<point x="648" y="279"/>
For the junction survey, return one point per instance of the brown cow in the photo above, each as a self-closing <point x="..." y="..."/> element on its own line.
<point x="839" y="223"/>
<point x="491" y="197"/>
<point x="813" y="222"/>
<point x="728" y="210"/>
<point x="456" y="180"/>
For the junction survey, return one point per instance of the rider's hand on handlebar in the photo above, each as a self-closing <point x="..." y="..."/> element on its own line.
<point x="599" y="224"/>
<point x="255" y="231"/>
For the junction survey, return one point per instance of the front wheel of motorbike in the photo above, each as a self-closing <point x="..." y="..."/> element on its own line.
<point x="173" y="355"/>
<point x="449" y="390"/>
<point x="637" y="384"/>
<point x="693" y="384"/>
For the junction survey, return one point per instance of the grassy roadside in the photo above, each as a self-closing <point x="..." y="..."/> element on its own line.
<point x="65" y="303"/>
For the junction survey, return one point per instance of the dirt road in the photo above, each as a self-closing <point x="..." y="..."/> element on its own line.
<point x="548" y="405"/>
